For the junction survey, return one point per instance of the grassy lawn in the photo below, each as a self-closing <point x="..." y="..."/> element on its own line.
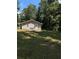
<point x="38" y="45"/>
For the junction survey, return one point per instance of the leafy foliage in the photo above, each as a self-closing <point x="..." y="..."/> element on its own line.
<point x="30" y="12"/>
<point x="48" y="13"/>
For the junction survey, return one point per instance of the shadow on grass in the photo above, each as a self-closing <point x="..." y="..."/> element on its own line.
<point x="35" y="47"/>
<point x="53" y="34"/>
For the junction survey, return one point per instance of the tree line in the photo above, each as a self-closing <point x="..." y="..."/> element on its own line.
<point x="48" y="13"/>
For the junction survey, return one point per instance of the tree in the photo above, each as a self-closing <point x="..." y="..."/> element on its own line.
<point x="18" y="16"/>
<point x="42" y="11"/>
<point x="18" y="5"/>
<point x="49" y="13"/>
<point x="30" y="12"/>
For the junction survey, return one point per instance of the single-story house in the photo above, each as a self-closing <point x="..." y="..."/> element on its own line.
<point x="32" y="25"/>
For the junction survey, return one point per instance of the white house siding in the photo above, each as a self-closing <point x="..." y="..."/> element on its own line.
<point x="36" y="28"/>
<point x="24" y="27"/>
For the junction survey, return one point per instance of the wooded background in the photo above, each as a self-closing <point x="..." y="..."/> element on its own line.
<point x="48" y="13"/>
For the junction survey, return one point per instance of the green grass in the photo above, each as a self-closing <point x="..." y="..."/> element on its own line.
<point x="38" y="45"/>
